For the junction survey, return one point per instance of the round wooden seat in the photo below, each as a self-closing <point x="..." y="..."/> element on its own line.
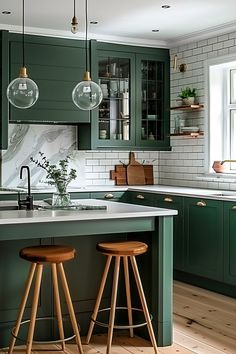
<point x="48" y="253"/>
<point x="125" y="248"/>
<point x="52" y="256"/>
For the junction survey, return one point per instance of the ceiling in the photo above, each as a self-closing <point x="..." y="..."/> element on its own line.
<point x="125" y="21"/>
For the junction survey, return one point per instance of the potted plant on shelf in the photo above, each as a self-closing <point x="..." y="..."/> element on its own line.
<point x="188" y="95"/>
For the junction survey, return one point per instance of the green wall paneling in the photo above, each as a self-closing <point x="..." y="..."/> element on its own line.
<point x="56" y="65"/>
<point x="203" y="227"/>
<point x="230" y="243"/>
<point x="4" y="68"/>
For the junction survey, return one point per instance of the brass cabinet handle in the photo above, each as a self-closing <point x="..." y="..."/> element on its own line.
<point x="168" y="200"/>
<point x="234" y="207"/>
<point x="140" y="196"/>
<point x="201" y="203"/>
<point x="108" y="196"/>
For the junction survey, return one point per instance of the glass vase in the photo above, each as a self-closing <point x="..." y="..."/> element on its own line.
<point x="61" y="198"/>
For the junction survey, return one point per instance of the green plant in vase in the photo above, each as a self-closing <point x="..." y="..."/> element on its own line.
<point x="59" y="176"/>
<point x="188" y="95"/>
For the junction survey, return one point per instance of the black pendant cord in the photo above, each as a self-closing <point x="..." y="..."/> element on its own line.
<point x="23" y="33"/>
<point x="86" y="34"/>
<point x="74" y="8"/>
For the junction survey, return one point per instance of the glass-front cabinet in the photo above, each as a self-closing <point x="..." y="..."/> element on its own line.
<point x="114" y="117"/>
<point x="152" y="89"/>
<point x="134" y="112"/>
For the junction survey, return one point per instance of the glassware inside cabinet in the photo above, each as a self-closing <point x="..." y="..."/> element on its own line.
<point x="114" y="110"/>
<point x="152" y="98"/>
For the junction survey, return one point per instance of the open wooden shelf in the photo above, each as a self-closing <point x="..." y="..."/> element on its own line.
<point x="188" y="108"/>
<point x="191" y="135"/>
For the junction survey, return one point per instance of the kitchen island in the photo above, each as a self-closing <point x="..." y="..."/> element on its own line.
<point x="84" y="228"/>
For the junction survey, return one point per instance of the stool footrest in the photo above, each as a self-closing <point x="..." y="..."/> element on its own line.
<point x="103" y="324"/>
<point x="56" y="341"/>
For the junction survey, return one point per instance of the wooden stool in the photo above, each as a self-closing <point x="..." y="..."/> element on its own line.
<point x="127" y="250"/>
<point x="55" y="256"/>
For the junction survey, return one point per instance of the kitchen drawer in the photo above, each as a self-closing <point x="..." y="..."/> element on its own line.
<point x="141" y="198"/>
<point x="115" y="196"/>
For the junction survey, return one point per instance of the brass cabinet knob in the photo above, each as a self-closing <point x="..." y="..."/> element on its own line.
<point x="108" y="196"/>
<point x="201" y="203"/>
<point x="140" y="196"/>
<point x="234" y="207"/>
<point x="168" y="200"/>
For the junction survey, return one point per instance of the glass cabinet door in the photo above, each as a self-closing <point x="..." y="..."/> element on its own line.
<point x="114" y="123"/>
<point x="152" y="100"/>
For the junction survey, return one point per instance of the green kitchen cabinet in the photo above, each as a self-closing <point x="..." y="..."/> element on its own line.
<point x="134" y="111"/>
<point x="203" y="228"/>
<point x="141" y="198"/>
<point x="230" y="243"/>
<point x="56" y="65"/>
<point x="177" y="203"/>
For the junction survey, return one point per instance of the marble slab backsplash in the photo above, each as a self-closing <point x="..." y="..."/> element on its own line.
<point x="25" y="141"/>
<point x="56" y="142"/>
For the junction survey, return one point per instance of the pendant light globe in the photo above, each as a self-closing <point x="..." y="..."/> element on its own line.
<point x="22" y="92"/>
<point x="87" y="94"/>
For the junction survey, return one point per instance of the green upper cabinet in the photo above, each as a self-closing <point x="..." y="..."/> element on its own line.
<point x="56" y="65"/>
<point x="230" y="243"/>
<point x="152" y="97"/>
<point x="134" y="112"/>
<point x="204" y="237"/>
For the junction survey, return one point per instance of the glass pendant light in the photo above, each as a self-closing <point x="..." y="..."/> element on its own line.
<point x="74" y="23"/>
<point x="22" y="92"/>
<point x="87" y="95"/>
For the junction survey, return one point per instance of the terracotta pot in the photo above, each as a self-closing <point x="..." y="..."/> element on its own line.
<point x="218" y="168"/>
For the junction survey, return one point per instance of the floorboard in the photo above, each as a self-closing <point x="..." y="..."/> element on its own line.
<point x="204" y="323"/>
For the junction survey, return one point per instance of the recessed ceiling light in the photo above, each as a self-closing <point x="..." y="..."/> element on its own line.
<point x="155" y="30"/>
<point x="6" y="12"/>
<point x="93" y="22"/>
<point x="165" y="6"/>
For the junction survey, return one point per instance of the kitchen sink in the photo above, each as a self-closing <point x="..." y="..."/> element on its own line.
<point x="225" y="194"/>
<point x="9" y="207"/>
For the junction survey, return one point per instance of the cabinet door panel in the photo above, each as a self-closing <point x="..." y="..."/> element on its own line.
<point x="230" y="243"/>
<point x="204" y="238"/>
<point x="56" y="66"/>
<point x="176" y="203"/>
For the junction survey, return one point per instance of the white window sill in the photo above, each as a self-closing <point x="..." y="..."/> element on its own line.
<point x="216" y="177"/>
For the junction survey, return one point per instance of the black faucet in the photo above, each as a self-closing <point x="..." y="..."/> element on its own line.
<point x="28" y="201"/>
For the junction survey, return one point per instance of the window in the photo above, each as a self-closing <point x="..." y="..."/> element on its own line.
<point x="222" y="112"/>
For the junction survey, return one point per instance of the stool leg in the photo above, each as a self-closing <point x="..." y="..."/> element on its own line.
<point x="38" y="277"/>
<point x="98" y="300"/>
<point x="113" y="303"/>
<point x="128" y="297"/>
<point x="70" y="306"/>
<point x="144" y="303"/>
<point x="58" y="305"/>
<point x="22" y="306"/>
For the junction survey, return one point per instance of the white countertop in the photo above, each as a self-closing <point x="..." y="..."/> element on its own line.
<point x="114" y="211"/>
<point x="174" y="190"/>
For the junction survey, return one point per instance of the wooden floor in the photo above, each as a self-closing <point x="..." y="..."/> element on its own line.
<point x="204" y="323"/>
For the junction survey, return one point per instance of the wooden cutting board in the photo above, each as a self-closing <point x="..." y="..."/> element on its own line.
<point x="135" y="172"/>
<point x="119" y="175"/>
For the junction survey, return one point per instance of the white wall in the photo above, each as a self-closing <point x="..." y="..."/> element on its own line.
<point x="186" y="164"/>
<point x="183" y="166"/>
